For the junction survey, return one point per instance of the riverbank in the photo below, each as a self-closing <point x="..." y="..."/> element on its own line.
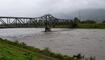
<point x="79" y="26"/>
<point x="84" y="26"/>
<point x="20" y="51"/>
<point x="92" y="26"/>
<point x="10" y="52"/>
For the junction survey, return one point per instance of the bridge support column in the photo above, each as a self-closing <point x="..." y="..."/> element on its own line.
<point x="47" y="29"/>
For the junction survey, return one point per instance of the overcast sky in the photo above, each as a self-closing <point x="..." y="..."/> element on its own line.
<point x="39" y="7"/>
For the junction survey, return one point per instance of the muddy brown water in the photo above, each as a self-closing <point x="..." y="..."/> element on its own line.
<point x="89" y="42"/>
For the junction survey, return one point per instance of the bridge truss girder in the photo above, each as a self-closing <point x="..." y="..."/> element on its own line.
<point x="46" y="20"/>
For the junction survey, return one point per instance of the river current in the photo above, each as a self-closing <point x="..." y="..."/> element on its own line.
<point x="88" y="42"/>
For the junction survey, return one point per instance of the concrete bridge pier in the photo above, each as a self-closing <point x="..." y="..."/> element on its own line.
<point x="47" y="29"/>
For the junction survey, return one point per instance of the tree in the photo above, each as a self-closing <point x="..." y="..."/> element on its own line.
<point x="82" y="22"/>
<point x="71" y="24"/>
<point x="76" y="22"/>
<point x="103" y="21"/>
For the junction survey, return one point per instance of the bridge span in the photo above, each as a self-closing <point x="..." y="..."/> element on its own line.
<point x="47" y="20"/>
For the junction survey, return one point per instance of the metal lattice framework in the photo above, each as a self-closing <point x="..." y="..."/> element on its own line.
<point x="29" y="22"/>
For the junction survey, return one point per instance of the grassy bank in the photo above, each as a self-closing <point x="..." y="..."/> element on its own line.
<point x="10" y="52"/>
<point x="61" y="26"/>
<point x="93" y="26"/>
<point x="79" y="26"/>
<point x="84" y="26"/>
<point x="20" y="51"/>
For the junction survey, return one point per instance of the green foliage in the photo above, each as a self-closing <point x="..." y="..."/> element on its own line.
<point x="79" y="56"/>
<point x="74" y="23"/>
<point x="3" y="58"/>
<point x="46" y="50"/>
<point x="92" y="58"/>
<point x="76" y="20"/>
<point x="95" y="26"/>
<point x="61" y="26"/>
<point x="88" y="22"/>
<point x="103" y="21"/>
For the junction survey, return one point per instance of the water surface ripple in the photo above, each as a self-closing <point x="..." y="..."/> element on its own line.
<point x="90" y="42"/>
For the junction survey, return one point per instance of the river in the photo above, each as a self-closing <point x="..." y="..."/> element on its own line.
<point x="89" y="42"/>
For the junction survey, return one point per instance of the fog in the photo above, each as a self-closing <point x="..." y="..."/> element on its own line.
<point x="33" y="8"/>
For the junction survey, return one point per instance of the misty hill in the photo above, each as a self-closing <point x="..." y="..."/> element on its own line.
<point x="93" y="14"/>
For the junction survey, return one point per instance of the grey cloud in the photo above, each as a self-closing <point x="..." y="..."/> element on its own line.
<point x="40" y="7"/>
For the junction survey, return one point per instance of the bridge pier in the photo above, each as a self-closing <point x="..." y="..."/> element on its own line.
<point x="47" y="29"/>
<point x="47" y="23"/>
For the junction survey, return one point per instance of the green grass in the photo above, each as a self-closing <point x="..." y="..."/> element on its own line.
<point x="11" y="52"/>
<point x="61" y="26"/>
<point x="84" y="26"/>
<point x="8" y="52"/>
<point x="20" y="51"/>
<point x="93" y="26"/>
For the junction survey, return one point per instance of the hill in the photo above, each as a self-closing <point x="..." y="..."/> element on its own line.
<point x="84" y="14"/>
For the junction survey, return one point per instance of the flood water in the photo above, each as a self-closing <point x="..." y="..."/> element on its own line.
<point x="89" y="42"/>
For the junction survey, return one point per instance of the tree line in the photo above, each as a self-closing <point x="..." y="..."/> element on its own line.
<point x="74" y="23"/>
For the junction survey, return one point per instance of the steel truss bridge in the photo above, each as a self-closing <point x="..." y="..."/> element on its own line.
<point x="46" y="20"/>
